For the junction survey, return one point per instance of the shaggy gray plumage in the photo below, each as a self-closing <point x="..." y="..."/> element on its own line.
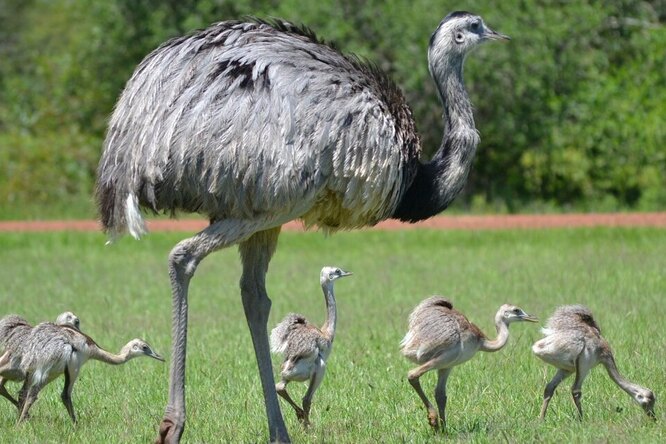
<point x="574" y="345"/>
<point x="257" y="123"/>
<point x="52" y="350"/>
<point x="13" y="328"/>
<point x="249" y="119"/>
<point x="244" y="120"/>
<point x="440" y="337"/>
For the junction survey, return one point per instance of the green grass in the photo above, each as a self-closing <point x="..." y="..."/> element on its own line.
<point x="122" y="291"/>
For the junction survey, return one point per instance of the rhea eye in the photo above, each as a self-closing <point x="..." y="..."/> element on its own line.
<point x="338" y="271"/>
<point x="516" y="310"/>
<point x="475" y="26"/>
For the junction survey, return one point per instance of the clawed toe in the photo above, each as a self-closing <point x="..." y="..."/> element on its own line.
<point x="437" y="423"/>
<point x="303" y="417"/>
<point x="168" y="432"/>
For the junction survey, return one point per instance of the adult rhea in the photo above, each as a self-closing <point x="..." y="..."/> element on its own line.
<point x="256" y="123"/>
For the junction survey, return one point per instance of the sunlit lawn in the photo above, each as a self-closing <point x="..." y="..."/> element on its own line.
<point x="121" y="292"/>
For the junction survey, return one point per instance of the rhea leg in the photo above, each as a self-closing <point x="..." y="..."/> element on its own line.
<point x="281" y="389"/>
<point x="256" y="253"/>
<point x="181" y="269"/>
<point x="183" y="261"/>
<point x="31" y="393"/>
<point x="7" y="372"/>
<point x="440" y="394"/>
<point x="413" y="378"/>
<point x="315" y="381"/>
<point x="550" y="390"/>
<point x="5" y="393"/>
<point x="66" y="396"/>
<point x="582" y="369"/>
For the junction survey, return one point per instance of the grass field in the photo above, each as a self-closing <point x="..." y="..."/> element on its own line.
<point x="121" y="292"/>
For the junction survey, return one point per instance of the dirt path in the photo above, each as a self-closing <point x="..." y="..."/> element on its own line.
<point x="440" y="222"/>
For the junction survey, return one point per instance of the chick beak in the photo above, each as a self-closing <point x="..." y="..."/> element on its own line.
<point x="154" y="355"/>
<point x="530" y="318"/>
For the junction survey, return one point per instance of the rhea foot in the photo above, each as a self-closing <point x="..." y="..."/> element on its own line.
<point x="169" y="432"/>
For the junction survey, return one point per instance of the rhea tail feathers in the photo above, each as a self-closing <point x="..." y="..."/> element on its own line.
<point x="136" y="225"/>
<point x="134" y="221"/>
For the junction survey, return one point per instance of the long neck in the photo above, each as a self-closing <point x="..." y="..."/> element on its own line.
<point x="502" y="328"/>
<point x="613" y="372"/>
<point x="100" y="354"/>
<point x="439" y="181"/>
<point x="331" y="313"/>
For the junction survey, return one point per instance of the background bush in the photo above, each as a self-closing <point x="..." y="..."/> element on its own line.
<point x="571" y="111"/>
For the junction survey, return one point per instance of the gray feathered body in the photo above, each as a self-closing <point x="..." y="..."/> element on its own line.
<point x="572" y="317"/>
<point x="573" y="344"/>
<point x="13" y="331"/>
<point x="50" y="348"/>
<point x="252" y="120"/>
<point x="436" y="329"/>
<point x="301" y="343"/>
<point x="571" y="332"/>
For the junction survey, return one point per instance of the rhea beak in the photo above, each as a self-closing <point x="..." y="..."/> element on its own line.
<point x="345" y="273"/>
<point x="650" y="412"/>
<point x="489" y="34"/>
<point x="154" y="355"/>
<point x="529" y="318"/>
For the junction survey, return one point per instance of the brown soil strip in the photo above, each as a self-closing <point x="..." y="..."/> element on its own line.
<point x="519" y="221"/>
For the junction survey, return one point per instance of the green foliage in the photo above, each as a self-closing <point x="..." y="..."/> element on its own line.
<point x="122" y="291"/>
<point x="47" y="168"/>
<point x="570" y="111"/>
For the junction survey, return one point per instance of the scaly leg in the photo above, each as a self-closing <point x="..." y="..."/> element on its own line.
<point x="550" y="390"/>
<point x="413" y="378"/>
<point x="8" y="373"/>
<point x="183" y="261"/>
<point x="70" y="378"/>
<point x="281" y="389"/>
<point x="440" y="394"/>
<point x="5" y="393"/>
<point x="582" y="369"/>
<point x="30" y="398"/>
<point x="315" y="381"/>
<point x="256" y="253"/>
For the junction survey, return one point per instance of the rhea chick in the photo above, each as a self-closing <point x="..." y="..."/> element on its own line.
<point x="55" y="350"/>
<point x="14" y="332"/>
<point x="440" y="338"/>
<point x="574" y="345"/>
<point x="306" y="347"/>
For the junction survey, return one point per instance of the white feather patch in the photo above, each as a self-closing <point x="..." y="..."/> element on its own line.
<point x="135" y="223"/>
